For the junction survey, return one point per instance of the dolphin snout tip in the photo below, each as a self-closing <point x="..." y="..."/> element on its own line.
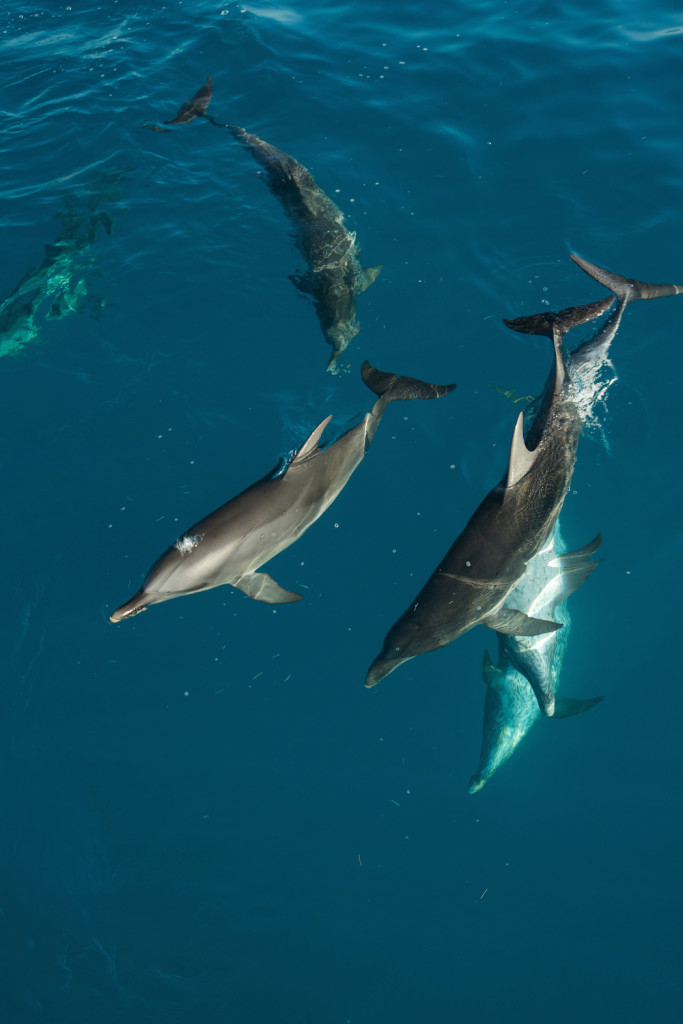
<point x="128" y="610"/>
<point x="378" y="670"/>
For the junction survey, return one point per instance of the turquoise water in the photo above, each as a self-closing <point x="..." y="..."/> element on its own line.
<point x="206" y="816"/>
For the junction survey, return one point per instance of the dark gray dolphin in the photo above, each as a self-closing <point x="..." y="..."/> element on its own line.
<point x="489" y="558"/>
<point x="229" y="545"/>
<point x="335" y="275"/>
<point x="196" y="107"/>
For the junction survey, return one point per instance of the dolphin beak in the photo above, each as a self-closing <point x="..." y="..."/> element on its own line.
<point x="129" y="609"/>
<point x="380" y="668"/>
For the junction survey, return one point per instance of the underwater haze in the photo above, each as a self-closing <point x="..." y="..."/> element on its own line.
<point x="206" y="816"/>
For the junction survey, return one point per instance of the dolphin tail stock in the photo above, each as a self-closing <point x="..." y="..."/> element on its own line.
<point x="626" y="289"/>
<point x="391" y="388"/>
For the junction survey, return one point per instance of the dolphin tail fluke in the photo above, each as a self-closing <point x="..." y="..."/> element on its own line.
<point x="392" y="388"/>
<point x="547" y="323"/>
<point x="567" y="707"/>
<point x="627" y="289"/>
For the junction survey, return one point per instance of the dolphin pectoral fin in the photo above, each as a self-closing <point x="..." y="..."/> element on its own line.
<point x="568" y="707"/>
<point x="306" y="283"/>
<point x="625" y="288"/>
<point x="545" y="323"/>
<point x="367" y="276"/>
<point x="515" y="623"/>
<point x="263" y="587"/>
<point x="310" y="445"/>
<point x="521" y="459"/>
<point x="571" y="558"/>
<point x="576" y="568"/>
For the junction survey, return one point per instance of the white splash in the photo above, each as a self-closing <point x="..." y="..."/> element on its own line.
<point x="187" y="543"/>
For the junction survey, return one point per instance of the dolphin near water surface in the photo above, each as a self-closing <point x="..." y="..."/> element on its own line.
<point x="231" y="544"/>
<point x="336" y="275"/>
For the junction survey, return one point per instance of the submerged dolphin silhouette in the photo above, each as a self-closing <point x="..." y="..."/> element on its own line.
<point x="229" y="545"/>
<point x="487" y="561"/>
<point x="336" y="275"/>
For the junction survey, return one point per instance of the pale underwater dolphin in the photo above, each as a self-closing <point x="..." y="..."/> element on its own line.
<point x="511" y="706"/>
<point x="336" y="275"/>
<point x="229" y="545"/>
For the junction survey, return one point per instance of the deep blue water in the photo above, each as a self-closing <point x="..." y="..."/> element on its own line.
<point x="205" y="815"/>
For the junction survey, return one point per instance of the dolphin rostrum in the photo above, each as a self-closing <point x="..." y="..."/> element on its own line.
<point x="511" y="706"/>
<point x="229" y="545"/>
<point x="336" y="275"/>
<point x="512" y="524"/>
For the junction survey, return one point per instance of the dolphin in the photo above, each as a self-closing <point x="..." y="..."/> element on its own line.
<point x="489" y="558"/>
<point x="335" y="275"/>
<point x="229" y="545"/>
<point x="61" y="285"/>
<point x="511" y="525"/>
<point x="511" y="706"/>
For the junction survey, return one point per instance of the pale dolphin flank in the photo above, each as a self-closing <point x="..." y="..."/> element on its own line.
<point x="488" y="559"/>
<point x="335" y="275"/>
<point x="511" y="706"/>
<point x="229" y="545"/>
<point x="196" y="107"/>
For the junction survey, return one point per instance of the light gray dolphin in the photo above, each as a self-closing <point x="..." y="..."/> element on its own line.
<point x="335" y="275"/>
<point x="511" y="706"/>
<point x="229" y="545"/>
<point x="489" y="558"/>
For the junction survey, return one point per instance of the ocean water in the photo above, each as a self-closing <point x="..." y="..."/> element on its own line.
<point x="205" y="815"/>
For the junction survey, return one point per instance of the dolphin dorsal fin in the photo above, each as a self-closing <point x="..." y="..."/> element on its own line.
<point x="521" y="459"/>
<point x="310" y="445"/>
